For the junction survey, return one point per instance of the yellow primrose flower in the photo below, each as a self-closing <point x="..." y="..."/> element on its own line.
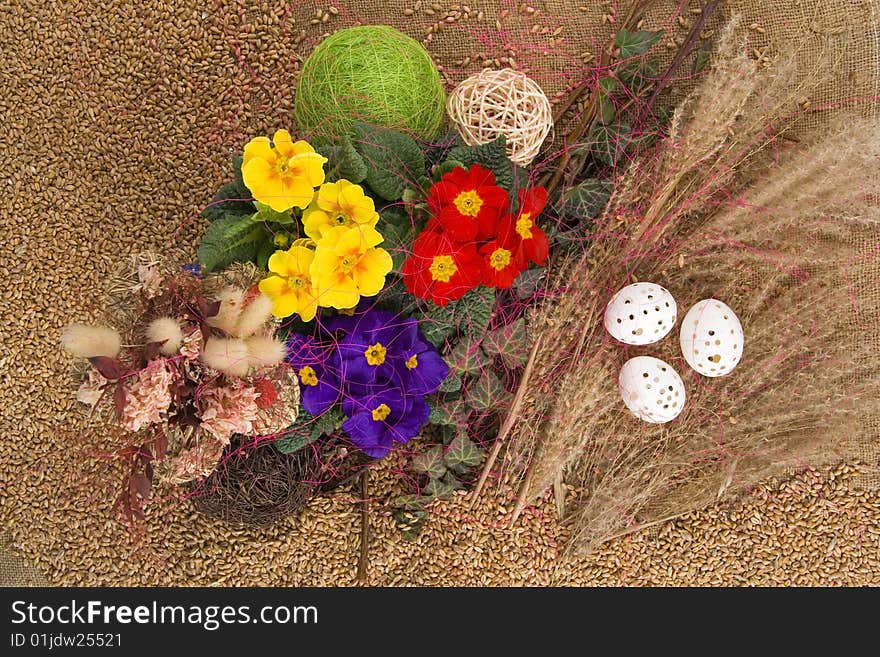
<point x="282" y="173"/>
<point x="289" y="285"/>
<point x="340" y="203"/>
<point x="348" y="265"/>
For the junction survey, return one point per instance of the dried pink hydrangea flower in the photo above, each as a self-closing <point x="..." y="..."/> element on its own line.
<point x="148" y="395"/>
<point x="192" y="343"/>
<point x="151" y="283"/>
<point x="193" y="463"/>
<point x="91" y="389"/>
<point x="226" y="410"/>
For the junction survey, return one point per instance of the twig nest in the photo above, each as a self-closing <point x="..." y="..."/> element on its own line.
<point x="503" y="102"/>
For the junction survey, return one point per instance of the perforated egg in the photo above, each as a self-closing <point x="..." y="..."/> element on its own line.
<point x="711" y="338"/>
<point x="640" y="314"/>
<point x="651" y="389"/>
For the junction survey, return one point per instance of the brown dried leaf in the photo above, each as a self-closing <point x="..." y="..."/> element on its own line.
<point x="109" y="368"/>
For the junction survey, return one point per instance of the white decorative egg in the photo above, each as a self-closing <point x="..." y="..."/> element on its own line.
<point x="711" y="338"/>
<point x="640" y="314"/>
<point x="651" y="389"/>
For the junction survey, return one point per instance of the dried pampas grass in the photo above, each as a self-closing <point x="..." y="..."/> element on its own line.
<point x="722" y="208"/>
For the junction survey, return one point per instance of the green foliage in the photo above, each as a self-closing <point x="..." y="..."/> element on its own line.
<point x="633" y="44"/>
<point x="445" y="167"/>
<point x="491" y="156"/>
<point x="609" y="142"/>
<point x="266" y="214"/>
<point x="343" y="161"/>
<point x="430" y="462"/>
<point x="607" y="109"/>
<point x="451" y="383"/>
<point x="392" y="159"/>
<point x="462" y="453"/>
<point x="466" y="358"/>
<point x="397" y="231"/>
<point x="307" y="429"/>
<point x="410" y="521"/>
<point x="231" y="238"/>
<point x="222" y="203"/>
<point x="585" y="200"/>
<point x="701" y="59"/>
<point x="487" y="392"/>
<point x="511" y="343"/>
<point x="528" y="282"/>
<point x="438" y="489"/>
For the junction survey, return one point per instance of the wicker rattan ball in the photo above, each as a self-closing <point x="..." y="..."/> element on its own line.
<point x="502" y="102"/>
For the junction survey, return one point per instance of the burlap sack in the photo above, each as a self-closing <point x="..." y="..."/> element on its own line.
<point x="554" y="42"/>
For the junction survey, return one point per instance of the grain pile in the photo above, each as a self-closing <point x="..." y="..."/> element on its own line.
<point x="119" y="122"/>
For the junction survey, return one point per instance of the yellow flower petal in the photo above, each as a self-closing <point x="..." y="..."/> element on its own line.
<point x="336" y="290"/>
<point x="261" y="178"/>
<point x="371" y="236"/>
<point x="295" y="192"/>
<point x="316" y="222"/>
<point x="272" y="286"/>
<point x="258" y="147"/>
<point x="356" y="204"/>
<point x="309" y="166"/>
<point x="283" y="143"/>
<point x="285" y="305"/>
<point x="301" y="147"/>
<point x="371" y="271"/>
<point x="351" y="240"/>
<point x="308" y="306"/>
<point x="283" y="264"/>
<point x="328" y="196"/>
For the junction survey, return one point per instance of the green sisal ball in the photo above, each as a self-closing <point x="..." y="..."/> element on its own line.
<point x="373" y="74"/>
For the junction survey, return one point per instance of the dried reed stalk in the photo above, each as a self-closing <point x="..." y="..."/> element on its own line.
<point x="710" y="212"/>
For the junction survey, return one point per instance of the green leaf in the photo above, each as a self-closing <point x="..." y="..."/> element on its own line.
<point x="439" y="415"/>
<point x="585" y="200"/>
<point x="230" y="239"/>
<point x="326" y="423"/>
<point x="702" y="57"/>
<point x="344" y="162"/>
<point x="397" y="231"/>
<point x="527" y="283"/>
<point x="410" y="502"/>
<point x="470" y="314"/>
<point x="637" y="76"/>
<point x="225" y="202"/>
<point x="430" y="462"/>
<point x="410" y="522"/>
<point x="292" y="443"/>
<point x="439" y="489"/>
<point x="307" y="429"/>
<point x="445" y="167"/>
<point x="487" y="392"/>
<point x="609" y="142"/>
<point x="466" y="357"/>
<point x="633" y="44"/>
<point x="452" y="383"/>
<point x="393" y="159"/>
<point x="491" y="156"/>
<point x="511" y="342"/>
<point x="462" y="453"/>
<point x="267" y="214"/>
<point x="265" y="252"/>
